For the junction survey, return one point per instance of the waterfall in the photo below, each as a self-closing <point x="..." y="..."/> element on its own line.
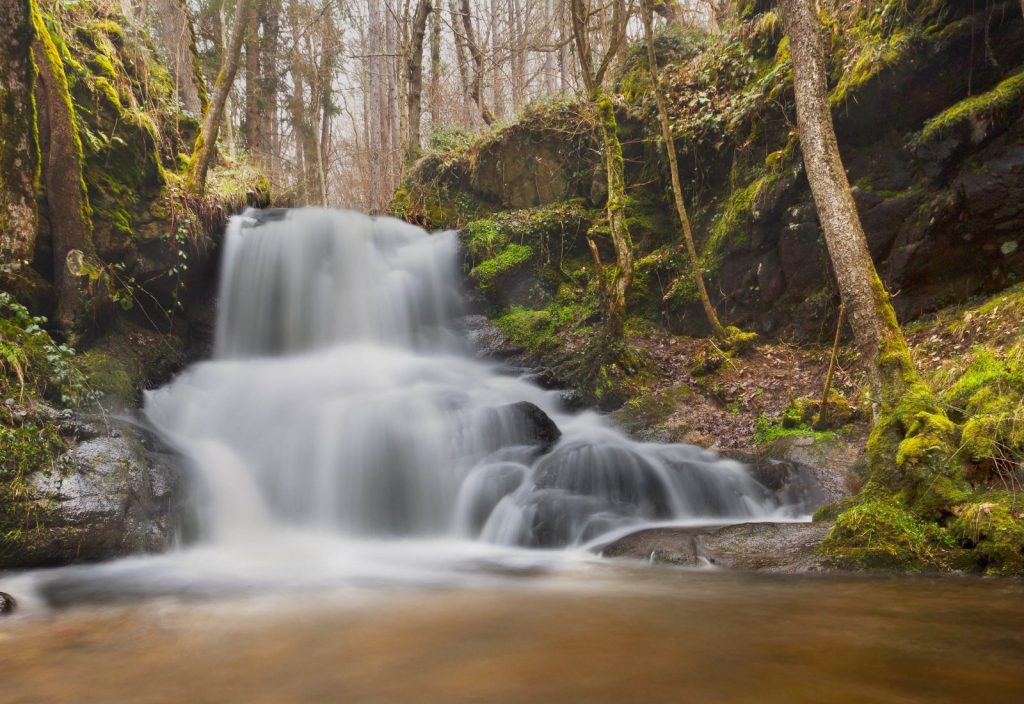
<point x="342" y="399"/>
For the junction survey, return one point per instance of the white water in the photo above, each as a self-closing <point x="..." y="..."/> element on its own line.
<point x="343" y="432"/>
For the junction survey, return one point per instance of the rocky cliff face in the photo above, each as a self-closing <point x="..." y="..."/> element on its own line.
<point x="75" y="482"/>
<point x="929" y="108"/>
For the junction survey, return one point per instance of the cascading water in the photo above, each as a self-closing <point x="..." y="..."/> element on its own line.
<point x="344" y="434"/>
<point x="341" y="398"/>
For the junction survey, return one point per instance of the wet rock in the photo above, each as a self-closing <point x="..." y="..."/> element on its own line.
<point x="535" y="423"/>
<point x="771" y="547"/>
<point x="821" y="469"/>
<point x="107" y="495"/>
<point x="8" y="605"/>
<point x="486" y="339"/>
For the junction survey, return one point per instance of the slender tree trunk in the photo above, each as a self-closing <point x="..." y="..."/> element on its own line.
<point x="872" y="318"/>
<point x="67" y="202"/>
<point x="608" y="129"/>
<point x="494" y="68"/>
<point x="673" y="164"/>
<point x="172" y="22"/>
<point x="270" y="84"/>
<point x="414" y="73"/>
<point x="19" y="146"/>
<point x="202" y="156"/>
<point x="581" y="14"/>
<point x="468" y="104"/>
<point x="475" y="86"/>
<point x="255" y="99"/>
<point x="435" y="68"/>
<point x="375" y="98"/>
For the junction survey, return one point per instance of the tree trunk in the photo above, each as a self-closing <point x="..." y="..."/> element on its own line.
<point x="172" y="22"/>
<point x="375" y="98"/>
<point x="19" y="147"/>
<point x="673" y="164"/>
<point x="415" y="77"/>
<point x="435" y="68"/>
<point x="202" y="155"/>
<point x="607" y="129"/>
<point x="270" y="84"/>
<point x="255" y="99"/>
<point x="468" y="104"/>
<point x="872" y="318"/>
<point x="622" y="277"/>
<point x="67" y="203"/>
<point x="475" y="85"/>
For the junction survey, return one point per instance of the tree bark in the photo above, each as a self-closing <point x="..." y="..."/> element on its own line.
<point x="414" y="71"/>
<point x="460" y="59"/>
<point x="175" y="36"/>
<point x="202" y="155"/>
<point x="615" y="291"/>
<point x="255" y="98"/>
<point x="475" y="85"/>
<point x="673" y="164"/>
<point x="67" y="203"/>
<point x="19" y="146"/>
<point x="622" y="277"/>
<point x="435" y="68"/>
<point x="872" y="318"/>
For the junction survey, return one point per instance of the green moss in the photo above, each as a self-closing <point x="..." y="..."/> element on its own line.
<point x="1001" y="103"/>
<point x="880" y="533"/>
<point x="107" y="375"/>
<point x="485" y="238"/>
<point x="531" y="329"/>
<point x="511" y="259"/>
<point x="993" y="533"/>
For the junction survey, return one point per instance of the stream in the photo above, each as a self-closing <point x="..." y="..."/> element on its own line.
<point x="378" y="515"/>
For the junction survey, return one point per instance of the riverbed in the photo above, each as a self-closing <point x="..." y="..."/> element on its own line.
<point x="600" y="631"/>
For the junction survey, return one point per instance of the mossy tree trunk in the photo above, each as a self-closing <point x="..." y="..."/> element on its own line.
<point x="622" y="275"/>
<point x="673" y="164"/>
<point x="912" y="447"/>
<point x="593" y="74"/>
<point x="67" y="201"/>
<point x="872" y="318"/>
<point x="202" y="155"/>
<point x="19" y="143"/>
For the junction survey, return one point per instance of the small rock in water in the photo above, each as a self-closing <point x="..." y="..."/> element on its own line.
<point x="7" y="604"/>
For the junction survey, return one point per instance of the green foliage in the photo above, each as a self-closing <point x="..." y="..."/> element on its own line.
<point x="485" y="238"/>
<point x="31" y="361"/>
<point x="449" y="139"/>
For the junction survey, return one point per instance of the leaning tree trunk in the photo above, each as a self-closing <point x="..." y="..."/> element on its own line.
<point x="673" y="164"/>
<point x="202" y="155"/>
<point x="19" y="146"/>
<point x="67" y="203"/>
<point x="414" y="71"/>
<point x="872" y="318"/>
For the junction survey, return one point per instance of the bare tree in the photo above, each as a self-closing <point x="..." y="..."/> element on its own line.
<point x="202" y="155"/>
<point x="593" y="74"/>
<point x="415" y="76"/>
<point x="475" y="52"/>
